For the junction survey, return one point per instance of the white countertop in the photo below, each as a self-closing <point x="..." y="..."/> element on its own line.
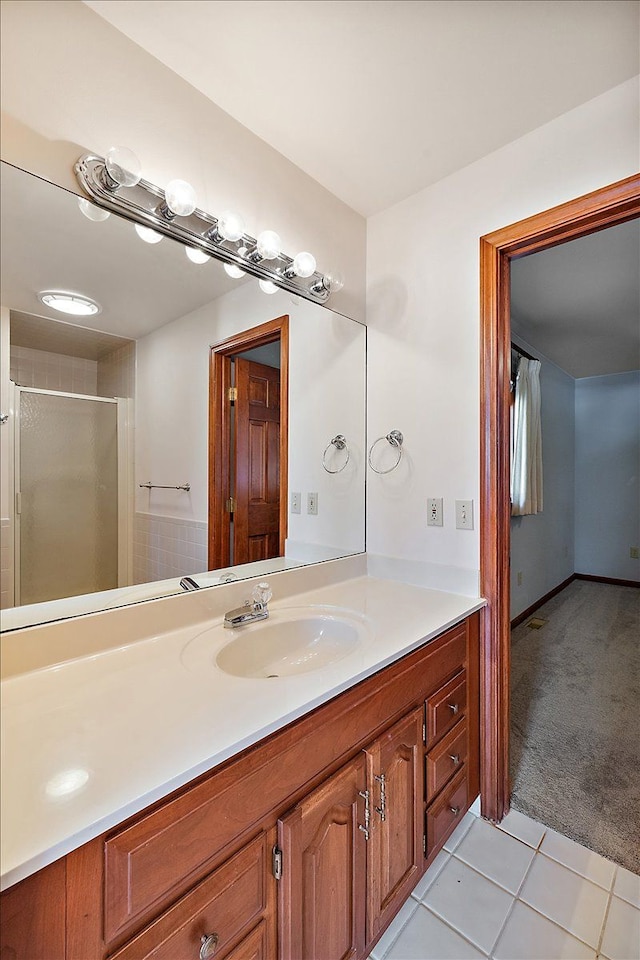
<point x="90" y="741"/>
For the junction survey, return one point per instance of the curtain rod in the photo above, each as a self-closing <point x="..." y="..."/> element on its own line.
<point x="523" y="353"/>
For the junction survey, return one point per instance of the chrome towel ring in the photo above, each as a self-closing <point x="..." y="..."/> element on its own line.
<point x="340" y="443"/>
<point x="396" y="439"/>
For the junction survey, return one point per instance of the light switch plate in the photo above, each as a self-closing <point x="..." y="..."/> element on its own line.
<point x="464" y="514"/>
<point x="312" y="504"/>
<point x="434" y="512"/>
<point x="296" y="501"/>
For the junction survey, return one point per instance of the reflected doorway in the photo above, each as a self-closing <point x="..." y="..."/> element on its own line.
<point x="248" y="445"/>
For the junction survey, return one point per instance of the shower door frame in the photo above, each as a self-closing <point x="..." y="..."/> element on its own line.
<point x="125" y="481"/>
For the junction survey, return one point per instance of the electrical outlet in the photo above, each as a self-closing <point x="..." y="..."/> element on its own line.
<point x="296" y="501"/>
<point x="464" y="514"/>
<point x="312" y="504"/>
<point x="519" y="578"/>
<point x="434" y="512"/>
<point x="633" y="553"/>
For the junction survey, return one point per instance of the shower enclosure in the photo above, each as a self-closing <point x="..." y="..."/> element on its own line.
<point x="71" y="461"/>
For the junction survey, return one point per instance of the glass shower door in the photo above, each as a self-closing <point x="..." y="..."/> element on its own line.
<point x="67" y="485"/>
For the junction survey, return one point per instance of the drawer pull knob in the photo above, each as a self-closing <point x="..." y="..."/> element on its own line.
<point x="208" y="945"/>
<point x="455" y="811"/>
<point x="456" y="758"/>
<point x="454" y="708"/>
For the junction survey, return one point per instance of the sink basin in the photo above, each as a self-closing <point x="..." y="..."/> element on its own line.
<point x="292" y="641"/>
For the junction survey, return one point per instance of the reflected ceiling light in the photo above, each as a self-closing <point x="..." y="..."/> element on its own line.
<point x="91" y="212"/>
<point x="147" y="234"/>
<point x="121" y="169"/>
<point x="267" y="287"/>
<point x="230" y="226"/>
<point x="173" y="212"/>
<point x="66" y="782"/>
<point x="179" y="200"/>
<point x="233" y="271"/>
<point x="331" y="282"/>
<point x="196" y="255"/>
<point x="303" y="265"/>
<point x="71" y="303"/>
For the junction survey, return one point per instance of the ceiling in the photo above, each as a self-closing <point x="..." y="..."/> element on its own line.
<point x="377" y="100"/>
<point x="579" y="303"/>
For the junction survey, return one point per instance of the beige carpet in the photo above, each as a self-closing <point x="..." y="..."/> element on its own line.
<point x="575" y="718"/>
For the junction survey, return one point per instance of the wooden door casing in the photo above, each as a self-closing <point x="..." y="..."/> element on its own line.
<point x="219" y="480"/>
<point x="396" y="842"/>
<point x="322" y="891"/>
<point x="606" y="207"/>
<point x="256" y="520"/>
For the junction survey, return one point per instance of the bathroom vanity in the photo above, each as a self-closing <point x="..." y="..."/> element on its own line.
<point x="304" y="843"/>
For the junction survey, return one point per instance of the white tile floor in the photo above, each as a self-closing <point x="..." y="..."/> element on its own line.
<point x="517" y="892"/>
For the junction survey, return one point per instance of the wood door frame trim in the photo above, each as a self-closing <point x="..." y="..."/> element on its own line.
<point x="218" y="485"/>
<point x="595" y="211"/>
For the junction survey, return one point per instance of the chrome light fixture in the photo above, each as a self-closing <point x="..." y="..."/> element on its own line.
<point x="114" y="183"/>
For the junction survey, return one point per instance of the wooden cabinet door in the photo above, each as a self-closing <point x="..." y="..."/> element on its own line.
<point x="323" y="885"/>
<point x="395" y="778"/>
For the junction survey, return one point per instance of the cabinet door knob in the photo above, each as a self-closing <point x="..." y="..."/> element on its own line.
<point x="456" y="758"/>
<point x="455" y="811"/>
<point x="454" y="707"/>
<point x="208" y="945"/>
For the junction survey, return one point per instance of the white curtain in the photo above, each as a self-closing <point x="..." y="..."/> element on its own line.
<point x="526" y="454"/>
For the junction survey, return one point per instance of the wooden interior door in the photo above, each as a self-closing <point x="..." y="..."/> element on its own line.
<point x="397" y="804"/>
<point x="323" y="887"/>
<point x="256" y="519"/>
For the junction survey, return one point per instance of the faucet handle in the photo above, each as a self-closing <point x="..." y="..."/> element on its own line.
<point x="262" y="593"/>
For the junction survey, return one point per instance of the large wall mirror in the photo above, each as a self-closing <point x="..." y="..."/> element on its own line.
<point x="182" y="431"/>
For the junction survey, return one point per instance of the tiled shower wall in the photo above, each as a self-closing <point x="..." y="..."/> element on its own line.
<point x="165" y="547"/>
<point x="117" y="373"/>
<point x="53" y="371"/>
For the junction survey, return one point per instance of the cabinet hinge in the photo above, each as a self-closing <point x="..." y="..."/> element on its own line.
<point x="277" y="863"/>
<point x="230" y="505"/>
<point x="424" y="844"/>
<point x="424" y="732"/>
<point x="233" y="394"/>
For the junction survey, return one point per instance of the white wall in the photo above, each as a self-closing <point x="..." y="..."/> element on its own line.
<point x="326" y="397"/>
<point x="423" y="315"/>
<point x="607" y="414"/>
<point x="71" y="83"/>
<point x="542" y="544"/>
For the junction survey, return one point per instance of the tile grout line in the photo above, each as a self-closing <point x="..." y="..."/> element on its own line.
<point x="515" y="900"/>
<point x="581" y="875"/>
<point x="455" y="930"/>
<point x="606" y="911"/>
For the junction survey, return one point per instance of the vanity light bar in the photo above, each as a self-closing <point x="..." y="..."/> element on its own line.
<point x="142" y="202"/>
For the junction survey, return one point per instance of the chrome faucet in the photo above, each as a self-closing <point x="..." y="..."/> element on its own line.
<point x="254" y="609"/>
<point x="188" y="583"/>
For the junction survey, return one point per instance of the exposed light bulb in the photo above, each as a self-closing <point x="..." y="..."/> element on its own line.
<point x="147" y="234"/>
<point x="91" y="211"/>
<point x="196" y="255"/>
<point x="330" y="282"/>
<point x="268" y="245"/>
<point x="123" y="168"/>
<point x="231" y="270"/>
<point x="230" y="226"/>
<point x="304" y="264"/>
<point x="267" y="287"/>
<point x="180" y="198"/>
<point x="72" y="303"/>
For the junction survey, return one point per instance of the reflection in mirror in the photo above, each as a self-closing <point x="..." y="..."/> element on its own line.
<point x="121" y="430"/>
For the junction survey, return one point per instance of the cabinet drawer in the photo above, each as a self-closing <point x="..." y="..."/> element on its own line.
<point x="446" y="811"/>
<point x="445" y="759"/>
<point x="445" y="707"/>
<point x="227" y="904"/>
